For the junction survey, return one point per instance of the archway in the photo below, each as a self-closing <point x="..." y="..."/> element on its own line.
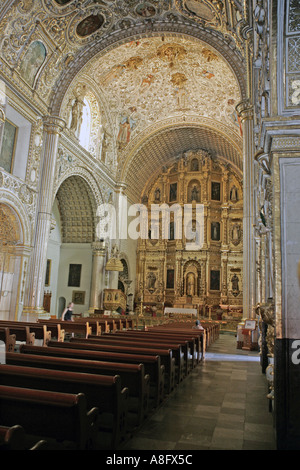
<point x="11" y="237"/>
<point x="70" y="248"/>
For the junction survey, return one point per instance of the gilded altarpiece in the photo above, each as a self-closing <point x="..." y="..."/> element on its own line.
<point x="175" y="270"/>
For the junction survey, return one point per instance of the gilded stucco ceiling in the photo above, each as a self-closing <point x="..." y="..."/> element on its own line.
<point x="152" y="65"/>
<point x="149" y="84"/>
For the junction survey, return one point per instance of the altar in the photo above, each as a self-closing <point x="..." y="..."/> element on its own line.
<point x="185" y="313"/>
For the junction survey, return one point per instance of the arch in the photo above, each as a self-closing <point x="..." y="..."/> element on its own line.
<point x="21" y="215"/>
<point x="77" y="208"/>
<point x="232" y="56"/>
<point x="162" y="144"/>
<point x="11" y="260"/>
<point x="92" y="185"/>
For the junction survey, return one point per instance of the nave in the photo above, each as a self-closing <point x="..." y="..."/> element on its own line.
<point x="221" y="405"/>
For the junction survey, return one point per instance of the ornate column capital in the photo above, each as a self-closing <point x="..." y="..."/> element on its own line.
<point x="244" y="110"/>
<point x="120" y="187"/>
<point x="98" y="247"/>
<point x="53" y="124"/>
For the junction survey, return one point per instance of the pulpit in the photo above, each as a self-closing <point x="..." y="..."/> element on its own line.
<point x="114" y="300"/>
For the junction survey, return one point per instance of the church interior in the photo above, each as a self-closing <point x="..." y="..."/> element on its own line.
<point x="149" y="153"/>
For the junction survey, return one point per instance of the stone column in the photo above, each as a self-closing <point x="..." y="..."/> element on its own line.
<point x="2" y="122"/>
<point x="245" y="112"/>
<point x="33" y="307"/>
<point x="98" y="276"/>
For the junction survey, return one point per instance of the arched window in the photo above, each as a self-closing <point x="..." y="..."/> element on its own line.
<point x="85" y="129"/>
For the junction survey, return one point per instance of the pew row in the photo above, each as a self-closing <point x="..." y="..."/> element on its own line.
<point x="152" y="364"/>
<point x="104" y="393"/>
<point x="76" y="327"/>
<point x="63" y="418"/>
<point x="8" y="339"/>
<point x="28" y="332"/>
<point x="14" y="438"/>
<point x="132" y="376"/>
<point x="180" y="352"/>
<point x="166" y="355"/>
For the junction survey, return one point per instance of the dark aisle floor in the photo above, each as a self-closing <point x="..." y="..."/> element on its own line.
<point x="221" y="405"/>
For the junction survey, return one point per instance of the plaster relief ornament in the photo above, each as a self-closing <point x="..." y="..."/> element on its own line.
<point x="146" y="10"/>
<point x="171" y="53"/>
<point x="296" y="92"/>
<point x="32" y="61"/>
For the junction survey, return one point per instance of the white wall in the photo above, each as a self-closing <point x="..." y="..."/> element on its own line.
<point x="61" y="256"/>
<point x="290" y="245"/>
<point x="75" y="253"/>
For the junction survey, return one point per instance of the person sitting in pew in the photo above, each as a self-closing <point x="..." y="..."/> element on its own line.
<point x="67" y="314"/>
<point x="198" y="326"/>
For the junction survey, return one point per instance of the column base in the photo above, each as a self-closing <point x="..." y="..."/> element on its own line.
<point x="32" y="314"/>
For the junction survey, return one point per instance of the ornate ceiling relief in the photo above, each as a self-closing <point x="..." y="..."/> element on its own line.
<point x="225" y="16"/>
<point x="150" y="80"/>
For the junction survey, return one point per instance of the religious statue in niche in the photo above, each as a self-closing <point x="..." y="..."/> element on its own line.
<point x="236" y="234"/>
<point x="77" y="110"/>
<point x="233" y="194"/>
<point x="157" y="195"/>
<point x="235" y="285"/>
<point x="173" y="192"/>
<point x="190" y="284"/>
<point x="151" y="280"/>
<point x="195" y="194"/>
<point x="216" y="191"/>
<point x="215" y="231"/>
<point x="193" y="232"/>
<point x="194" y="164"/>
<point x="128" y="123"/>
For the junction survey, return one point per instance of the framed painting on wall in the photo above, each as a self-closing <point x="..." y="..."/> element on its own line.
<point x="215" y="191"/>
<point x="173" y="192"/>
<point x="8" y="148"/>
<point x="78" y="297"/>
<point x="74" y="275"/>
<point x="170" y="279"/>
<point x="214" y="279"/>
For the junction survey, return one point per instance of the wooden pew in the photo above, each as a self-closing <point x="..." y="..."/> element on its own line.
<point x="21" y="331"/>
<point x="81" y="328"/>
<point x="14" y="438"/>
<point x="95" y="327"/>
<point x="165" y="354"/>
<point x="61" y="417"/>
<point x="179" y="351"/>
<point x="132" y="376"/>
<point x="187" y="333"/>
<point x="104" y="393"/>
<point x="8" y="339"/>
<point x="30" y="331"/>
<point x="193" y="339"/>
<point x="152" y="364"/>
<point x="188" y="345"/>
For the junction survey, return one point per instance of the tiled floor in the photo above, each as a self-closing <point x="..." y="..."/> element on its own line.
<point x="221" y="405"/>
